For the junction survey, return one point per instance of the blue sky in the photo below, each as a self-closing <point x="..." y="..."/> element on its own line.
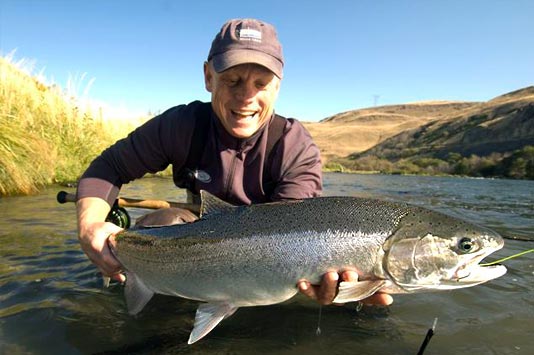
<point x="340" y="55"/>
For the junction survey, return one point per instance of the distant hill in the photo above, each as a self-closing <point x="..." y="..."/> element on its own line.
<point x="503" y="124"/>
<point x="438" y="126"/>
<point x="359" y="130"/>
<point x="493" y="138"/>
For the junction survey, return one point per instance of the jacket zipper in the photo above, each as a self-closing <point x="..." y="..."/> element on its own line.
<point x="230" y="181"/>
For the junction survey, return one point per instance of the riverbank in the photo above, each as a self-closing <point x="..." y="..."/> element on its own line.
<point x="46" y="134"/>
<point x="518" y="164"/>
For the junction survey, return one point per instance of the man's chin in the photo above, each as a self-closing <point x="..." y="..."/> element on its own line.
<point x="242" y="132"/>
<point x="242" y="128"/>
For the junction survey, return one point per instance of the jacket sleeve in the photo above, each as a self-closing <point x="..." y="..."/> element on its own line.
<point x="297" y="164"/>
<point x="148" y="149"/>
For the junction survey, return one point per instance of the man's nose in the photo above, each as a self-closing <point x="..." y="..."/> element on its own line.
<point x="246" y="91"/>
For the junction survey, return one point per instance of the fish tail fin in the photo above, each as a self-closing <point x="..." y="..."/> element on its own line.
<point x="137" y="293"/>
<point x="207" y="317"/>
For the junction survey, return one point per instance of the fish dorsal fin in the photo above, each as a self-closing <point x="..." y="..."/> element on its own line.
<point x="207" y="317"/>
<point x="212" y="204"/>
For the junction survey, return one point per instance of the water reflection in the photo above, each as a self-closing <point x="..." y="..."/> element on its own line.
<point x="51" y="300"/>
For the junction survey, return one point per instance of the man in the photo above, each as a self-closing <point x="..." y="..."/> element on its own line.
<point x="238" y="161"/>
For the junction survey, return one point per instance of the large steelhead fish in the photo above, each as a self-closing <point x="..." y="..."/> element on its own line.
<point x="255" y="255"/>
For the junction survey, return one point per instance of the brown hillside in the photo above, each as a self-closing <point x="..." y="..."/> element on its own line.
<point x="503" y="124"/>
<point x="359" y="130"/>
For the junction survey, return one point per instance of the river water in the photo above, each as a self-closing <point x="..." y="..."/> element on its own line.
<point x="52" y="300"/>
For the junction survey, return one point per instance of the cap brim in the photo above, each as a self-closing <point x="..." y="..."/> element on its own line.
<point x="226" y="60"/>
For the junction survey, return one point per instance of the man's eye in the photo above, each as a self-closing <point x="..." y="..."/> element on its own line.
<point x="233" y="82"/>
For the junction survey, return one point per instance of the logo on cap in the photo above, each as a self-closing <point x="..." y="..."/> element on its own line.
<point x="248" y="34"/>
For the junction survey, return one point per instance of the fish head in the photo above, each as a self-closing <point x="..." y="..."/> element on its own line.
<point x="432" y="251"/>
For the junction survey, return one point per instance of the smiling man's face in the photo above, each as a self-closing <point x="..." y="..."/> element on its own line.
<point x="242" y="97"/>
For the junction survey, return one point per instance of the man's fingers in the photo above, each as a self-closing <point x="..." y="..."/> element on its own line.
<point x="307" y="289"/>
<point x="109" y="259"/>
<point x="328" y="289"/>
<point x="105" y="261"/>
<point x="349" y="276"/>
<point x="378" y="299"/>
<point x="119" y="277"/>
<point x="96" y="247"/>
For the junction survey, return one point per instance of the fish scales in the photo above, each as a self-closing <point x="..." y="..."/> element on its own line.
<point x="255" y="255"/>
<point x="319" y="215"/>
<point x="294" y="234"/>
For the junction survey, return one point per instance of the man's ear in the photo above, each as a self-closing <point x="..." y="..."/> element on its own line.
<point x="208" y="77"/>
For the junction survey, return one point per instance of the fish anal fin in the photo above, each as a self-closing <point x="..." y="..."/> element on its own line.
<point x="211" y="204"/>
<point x="207" y="317"/>
<point x="352" y="291"/>
<point x="137" y="293"/>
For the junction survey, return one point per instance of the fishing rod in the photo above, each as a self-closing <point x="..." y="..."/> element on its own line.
<point x="118" y="214"/>
<point x="428" y="336"/>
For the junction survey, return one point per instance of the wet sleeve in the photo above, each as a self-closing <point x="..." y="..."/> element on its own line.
<point x="298" y="165"/>
<point x="148" y="149"/>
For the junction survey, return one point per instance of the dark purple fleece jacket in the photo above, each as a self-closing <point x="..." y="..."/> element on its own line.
<point x="234" y="165"/>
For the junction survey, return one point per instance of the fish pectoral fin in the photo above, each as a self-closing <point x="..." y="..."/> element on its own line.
<point x="207" y="317"/>
<point x="357" y="290"/>
<point x="137" y="293"/>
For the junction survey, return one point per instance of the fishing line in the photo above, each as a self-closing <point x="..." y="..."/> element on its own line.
<point x="318" y="330"/>
<point x="508" y="258"/>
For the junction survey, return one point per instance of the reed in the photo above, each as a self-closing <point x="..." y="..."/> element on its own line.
<point x="45" y="136"/>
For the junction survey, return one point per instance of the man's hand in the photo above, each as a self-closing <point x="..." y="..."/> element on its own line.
<point x="94" y="242"/>
<point x="327" y="290"/>
<point x="93" y="234"/>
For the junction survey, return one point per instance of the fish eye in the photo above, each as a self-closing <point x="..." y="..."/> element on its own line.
<point x="466" y="245"/>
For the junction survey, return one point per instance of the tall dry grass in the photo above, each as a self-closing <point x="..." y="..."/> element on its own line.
<point x="45" y="137"/>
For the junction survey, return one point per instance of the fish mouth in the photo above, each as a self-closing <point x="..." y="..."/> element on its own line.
<point x="478" y="274"/>
<point x="473" y="273"/>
